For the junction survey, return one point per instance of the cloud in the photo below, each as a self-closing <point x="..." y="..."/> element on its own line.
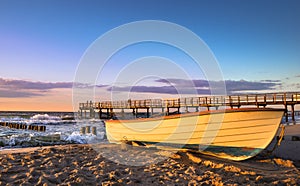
<point x="10" y="88"/>
<point x="13" y="88"/>
<point x="231" y="85"/>
<point x="185" y="83"/>
<point x="87" y="85"/>
<point x="149" y="89"/>
<point x="24" y="84"/>
<point x="160" y="90"/>
<point x="174" y="86"/>
<point x="271" y="81"/>
<point x="243" y="85"/>
<point x="199" y="86"/>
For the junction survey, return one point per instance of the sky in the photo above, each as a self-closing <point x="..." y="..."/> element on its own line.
<point x="255" y="42"/>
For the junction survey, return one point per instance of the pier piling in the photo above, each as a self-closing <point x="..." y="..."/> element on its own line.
<point x="82" y="131"/>
<point x="94" y="131"/>
<point x="88" y="129"/>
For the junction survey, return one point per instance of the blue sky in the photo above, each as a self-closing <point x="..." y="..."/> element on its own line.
<point x="43" y="41"/>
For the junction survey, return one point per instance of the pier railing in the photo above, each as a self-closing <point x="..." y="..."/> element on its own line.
<point x="207" y="101"/>
<point x="233" y="101"/>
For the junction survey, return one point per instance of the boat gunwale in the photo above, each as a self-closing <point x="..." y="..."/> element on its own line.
<point x="201" y="113"/>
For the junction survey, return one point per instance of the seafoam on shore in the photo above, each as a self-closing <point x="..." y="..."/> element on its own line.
<point x="62" y="124"/>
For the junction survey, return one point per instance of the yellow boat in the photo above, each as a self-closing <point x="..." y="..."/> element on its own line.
<point x="235" y="134"/>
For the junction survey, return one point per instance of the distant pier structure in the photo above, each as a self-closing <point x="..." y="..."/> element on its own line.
<point x="107" y="109"/>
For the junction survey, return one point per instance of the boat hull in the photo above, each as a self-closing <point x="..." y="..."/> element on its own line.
<point x="235" y="134"/>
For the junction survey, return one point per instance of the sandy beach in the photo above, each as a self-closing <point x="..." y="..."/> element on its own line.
<point x="113" y="164"/>
<point x="109" y="164"/>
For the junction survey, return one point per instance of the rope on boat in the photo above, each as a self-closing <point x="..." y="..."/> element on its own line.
<point x="279" y="139"/>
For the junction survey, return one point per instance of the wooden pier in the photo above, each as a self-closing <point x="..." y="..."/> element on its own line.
<point x="107" y="108"/>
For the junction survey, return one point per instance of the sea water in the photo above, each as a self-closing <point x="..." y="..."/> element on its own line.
<point x="57" y="123"/>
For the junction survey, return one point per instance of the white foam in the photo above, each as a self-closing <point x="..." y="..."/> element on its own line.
<point x="90" y="138"/>
<point x="76" y="137"/>
<point x="44" y="117"/>
<point x="16" y="139"/>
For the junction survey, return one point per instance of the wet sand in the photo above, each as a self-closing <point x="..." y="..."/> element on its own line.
<point x="110" y="164"/>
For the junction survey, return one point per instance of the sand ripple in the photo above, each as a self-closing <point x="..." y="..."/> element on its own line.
<point x="82" y="165"/>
